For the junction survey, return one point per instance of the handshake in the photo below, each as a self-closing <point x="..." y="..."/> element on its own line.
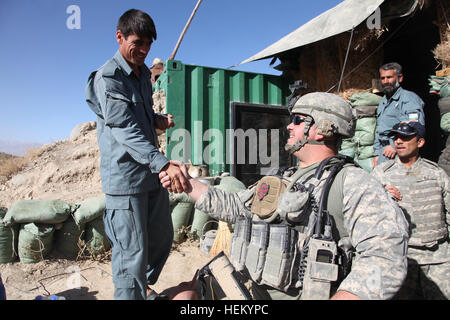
<point x="175" y="177"/>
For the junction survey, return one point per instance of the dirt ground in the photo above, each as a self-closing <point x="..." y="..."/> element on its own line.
<point x="69" y="170"/>
<point x="89" y="279"/>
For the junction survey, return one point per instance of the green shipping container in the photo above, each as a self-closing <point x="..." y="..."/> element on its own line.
<point x="206" y="102"/>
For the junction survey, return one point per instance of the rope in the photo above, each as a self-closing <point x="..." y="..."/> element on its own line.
<point x="345" y="60"/>
<point x="443" y="13"/>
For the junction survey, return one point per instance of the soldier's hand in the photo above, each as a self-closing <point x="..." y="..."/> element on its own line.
<point x="394" y="192"/>
<point x="389" y="152"/>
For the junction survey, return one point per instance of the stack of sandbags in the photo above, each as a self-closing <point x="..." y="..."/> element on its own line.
<point x="36" y="219"/>
<point x="8" y="240"/>
<point x="360" y="146"/>
<point x="440" y="86"/>
<point x="89" y="217"/>
<point x="31" y="228"/>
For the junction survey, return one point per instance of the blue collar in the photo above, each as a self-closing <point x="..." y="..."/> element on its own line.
<point x="123" y="64"/>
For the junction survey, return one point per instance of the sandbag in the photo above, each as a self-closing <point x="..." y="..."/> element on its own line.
<point x="95" y="237"/>
<point x="364" y="99"/>
<point x="363" y="139"/>
<point x="181" y="214"/>
<point x="230" y="184"/>
<point x="366" y="164"/>
<point x="445" y="123"/>
<point x="37" y="211"/>
<point x="444" y="105"/>
<point x="90" y="209"/>
<point x="348" y="143"/>
<point x="350" y="152"/>
<point x="365" y="111"/>
<point x="35" y="242"/>
<point x="8" y="240"/>
<point x="440" y="85"/>
<point x="366" y="124"/>
<point x="68" y="238"/>
<point x="364" y="152"/>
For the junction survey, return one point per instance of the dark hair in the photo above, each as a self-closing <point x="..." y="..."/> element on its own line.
<point x="137" y="22"/>
<point x="392" y="66"/>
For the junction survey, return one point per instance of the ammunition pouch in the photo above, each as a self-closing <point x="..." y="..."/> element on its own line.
<point x="257" y="250"/>
<point x="240" y="240"/>
<point x="293" y="204"/>
<point x="281" y="253"/>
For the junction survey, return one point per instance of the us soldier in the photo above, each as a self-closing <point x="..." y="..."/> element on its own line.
<point x="296" y="233"/>
<point x="421" y="189"/>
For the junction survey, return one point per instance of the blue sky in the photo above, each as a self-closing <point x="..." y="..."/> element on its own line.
<point x="44" y="64"/>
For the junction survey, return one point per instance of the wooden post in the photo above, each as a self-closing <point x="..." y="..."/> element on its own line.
<point x="184" y="31"/>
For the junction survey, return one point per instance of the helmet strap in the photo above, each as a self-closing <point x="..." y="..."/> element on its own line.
<point x="299" y="144"/>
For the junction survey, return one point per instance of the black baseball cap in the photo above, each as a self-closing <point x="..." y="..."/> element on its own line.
<point x="411" y="128"/>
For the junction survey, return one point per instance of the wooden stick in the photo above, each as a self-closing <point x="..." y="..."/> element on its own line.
<point x="184" y="31"/>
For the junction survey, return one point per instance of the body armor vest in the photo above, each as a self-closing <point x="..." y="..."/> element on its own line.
<point x="273" y="246"/>
<point x="422" y="204"/>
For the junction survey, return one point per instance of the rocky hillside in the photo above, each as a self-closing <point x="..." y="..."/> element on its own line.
<point x="66" y="170"/>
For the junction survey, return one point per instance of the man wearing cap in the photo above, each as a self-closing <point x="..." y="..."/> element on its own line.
<point x="421" y="188"/>
<point x="396" y="106"/>
<point x="286" y="224"/>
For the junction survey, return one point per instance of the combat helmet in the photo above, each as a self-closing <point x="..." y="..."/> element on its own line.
<point x="331" y="113"/>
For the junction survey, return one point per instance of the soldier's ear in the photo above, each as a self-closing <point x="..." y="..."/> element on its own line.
<point x="421" y="142"/>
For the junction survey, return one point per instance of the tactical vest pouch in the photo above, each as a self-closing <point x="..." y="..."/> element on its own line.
<point x="257" y="249"/>
<point x="239" y="242"/>
<point x="321" y="270"/>
<point x="280" y="258"/>
<point x="293" y="205"/>
<point x="265" y="199"/>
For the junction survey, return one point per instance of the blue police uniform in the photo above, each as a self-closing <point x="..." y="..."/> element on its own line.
<point x="137" y="217"/>
<point x="404" y="105"/>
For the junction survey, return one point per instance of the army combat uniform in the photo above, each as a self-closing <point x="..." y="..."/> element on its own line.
<point x="365" y="222"/>
<point x="425" y="200"/>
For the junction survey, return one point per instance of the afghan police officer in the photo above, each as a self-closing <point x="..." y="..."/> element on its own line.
<point x="296" y="234"/>
<point x="397" y="105"/>
<point x="421" y="189"/>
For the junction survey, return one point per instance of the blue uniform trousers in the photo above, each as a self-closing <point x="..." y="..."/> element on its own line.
<point x="140" y="230"/>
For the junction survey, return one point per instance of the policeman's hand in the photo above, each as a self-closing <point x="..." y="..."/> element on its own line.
<point x="178" y="181"/>
<point x="165" y="180"/>
<point x="177" y="175"/>
<point x="394" y="192"/>
<point x="164" y="121"/>
<point x="389" y="152"/>
<point x="374" y="162"/>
